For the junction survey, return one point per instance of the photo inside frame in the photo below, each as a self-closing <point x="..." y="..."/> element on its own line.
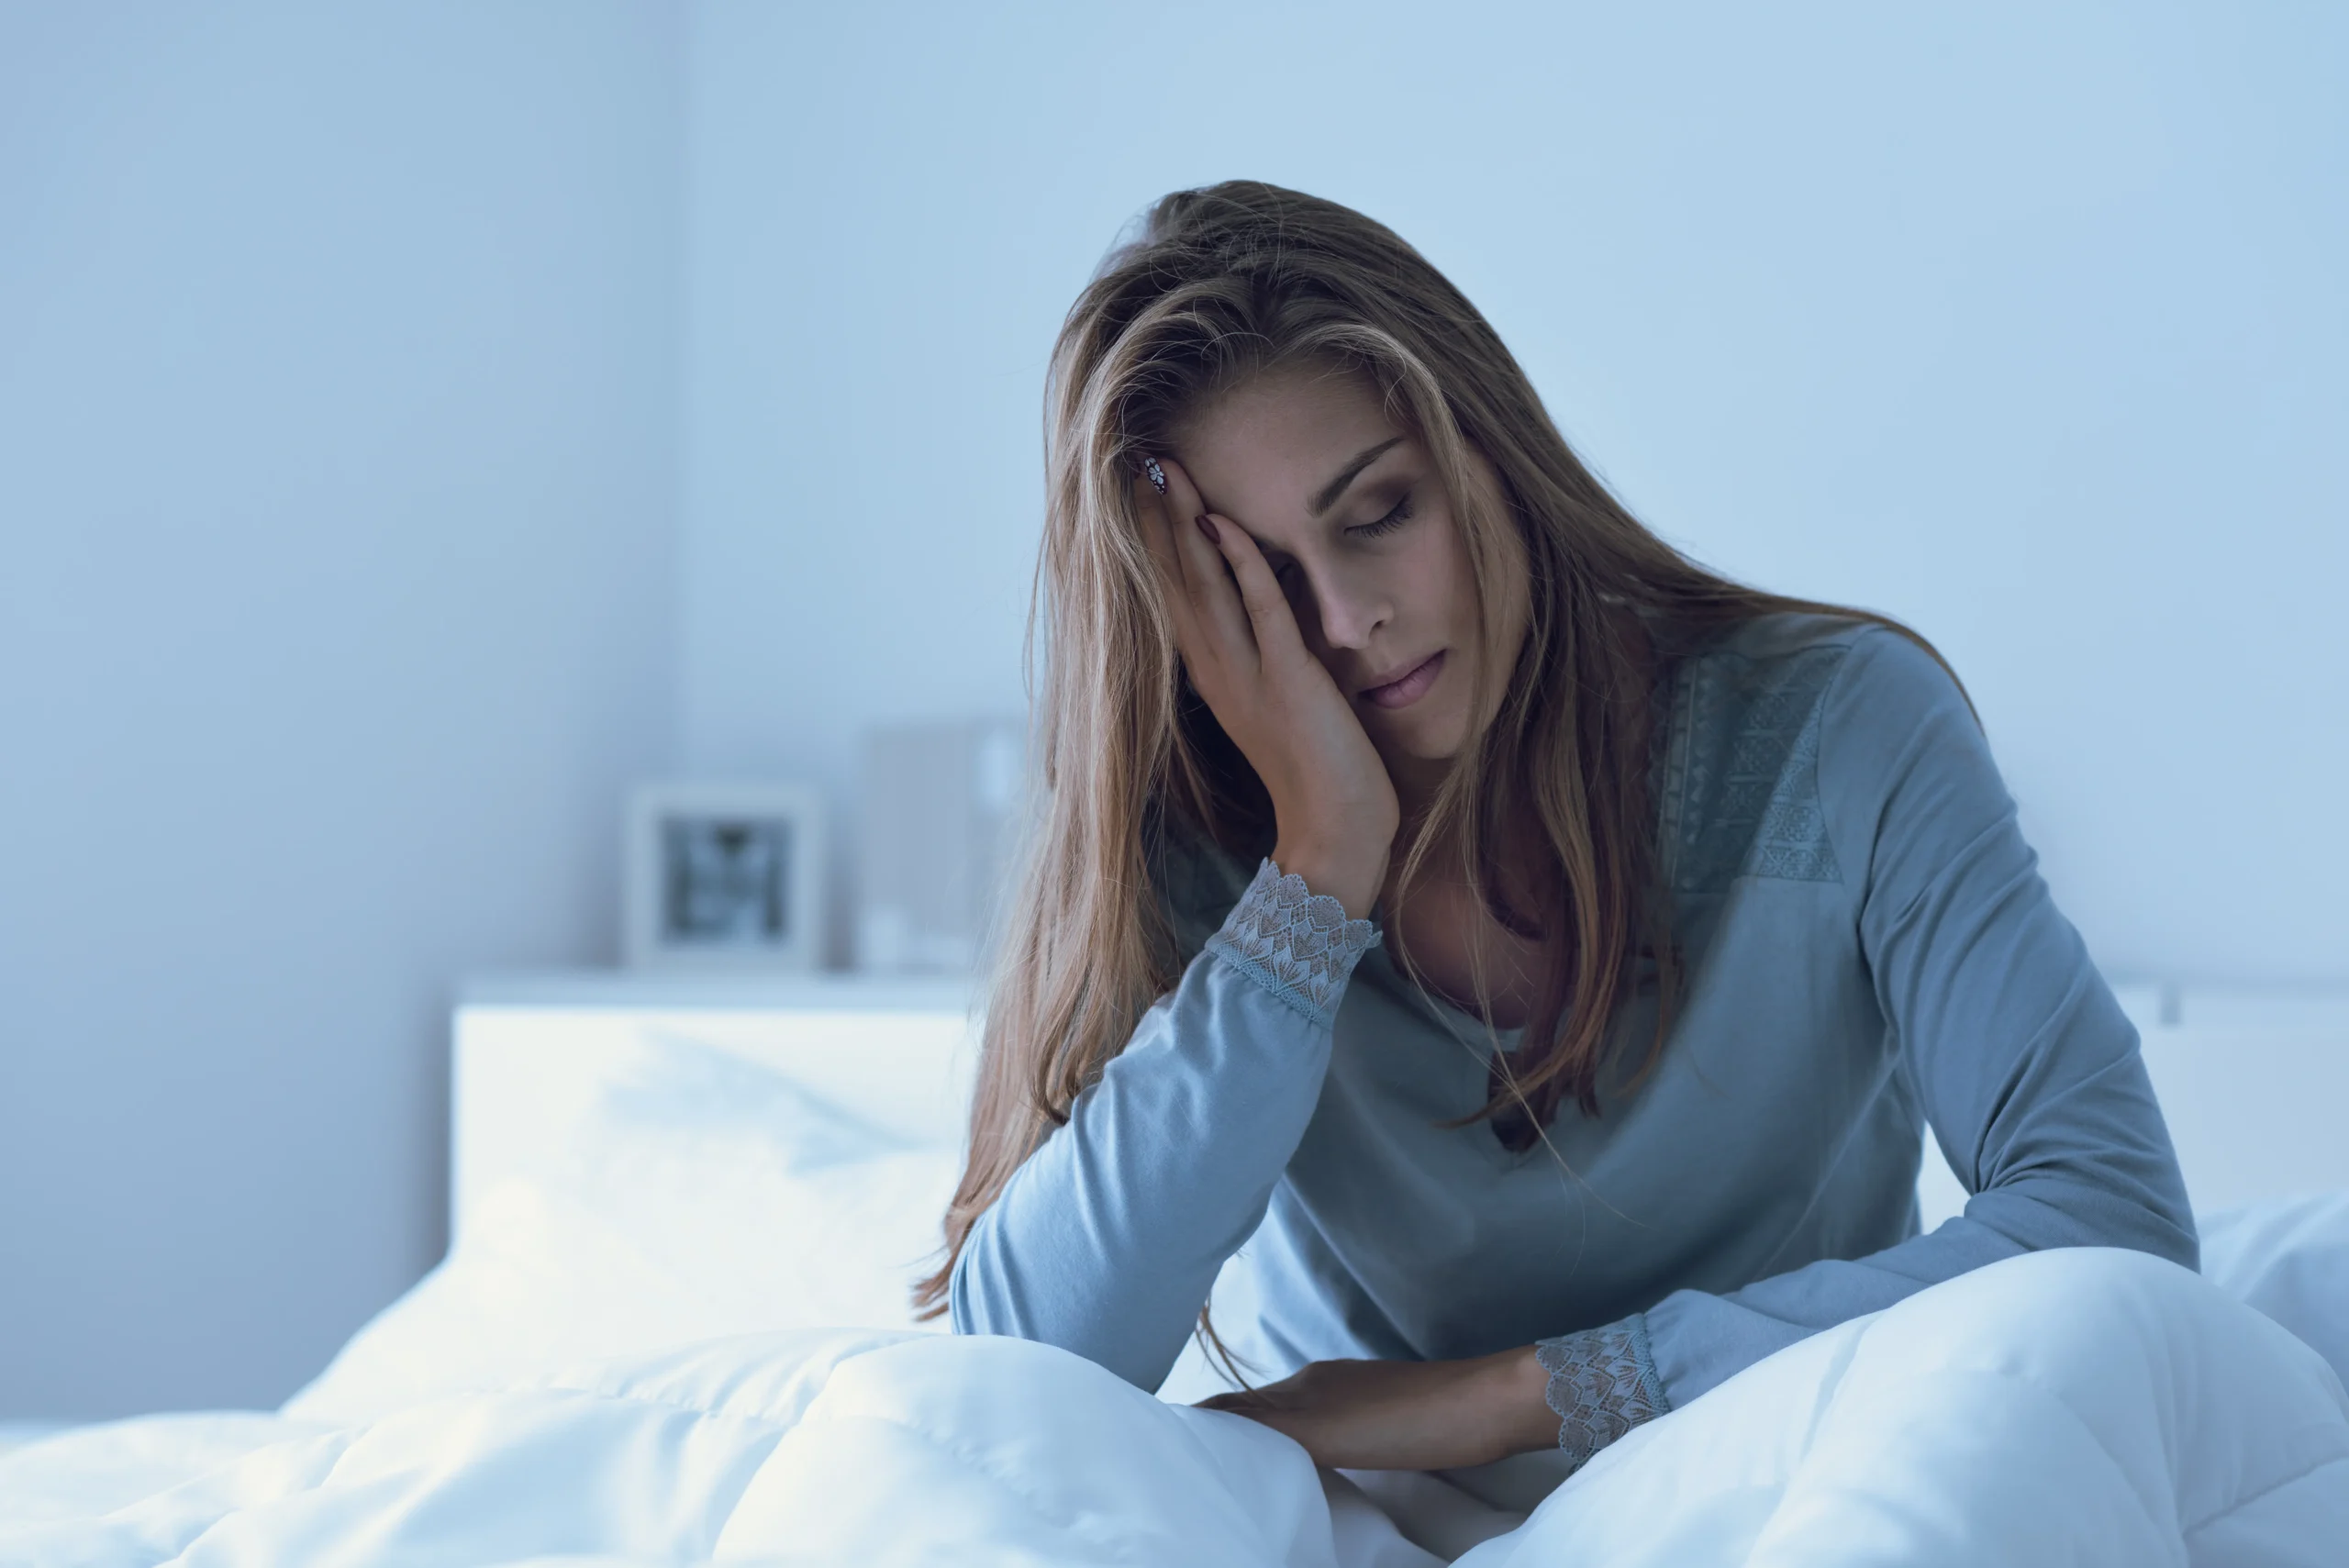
<point x="725" y="882"/>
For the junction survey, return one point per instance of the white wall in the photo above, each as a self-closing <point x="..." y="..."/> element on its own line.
<point x="2021" y="321"/>
<point x="337" y="494"/>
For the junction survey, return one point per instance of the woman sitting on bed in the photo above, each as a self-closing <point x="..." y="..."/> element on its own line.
<point x="1552" y="945"/>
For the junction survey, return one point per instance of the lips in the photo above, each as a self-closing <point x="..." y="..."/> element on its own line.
<point x="1408" y="687"/>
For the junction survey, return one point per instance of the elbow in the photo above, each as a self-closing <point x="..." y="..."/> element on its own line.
<point x="960" y="1317"/>
<point x="2150" y="1218"/>
<point x="976" y="1301"/>
<point x="2173" y="1235"/>
<point x="2164" y="1230"/>
<point x="994" y="1290"/>
<point x="2158" y="1217"/>
<point x="2139" y="1212"/>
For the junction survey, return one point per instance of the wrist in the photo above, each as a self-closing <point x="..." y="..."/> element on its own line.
<point x="1516" y="1388"/>
<point x="1344" y="872"/>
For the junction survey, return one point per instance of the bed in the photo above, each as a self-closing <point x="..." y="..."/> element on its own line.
<point x="672" y="1326"/>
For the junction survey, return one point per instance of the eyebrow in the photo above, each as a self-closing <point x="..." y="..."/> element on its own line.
<point x="1327" y="497"/>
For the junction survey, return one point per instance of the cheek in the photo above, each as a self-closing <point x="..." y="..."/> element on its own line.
<point x="1442" y="585"/>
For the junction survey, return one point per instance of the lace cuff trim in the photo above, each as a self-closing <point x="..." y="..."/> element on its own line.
<point x="1294" y="942"/>
<point x="1602" y="1383"/>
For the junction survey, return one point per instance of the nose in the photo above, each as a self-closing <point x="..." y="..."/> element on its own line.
<point x="1348" y="612"/>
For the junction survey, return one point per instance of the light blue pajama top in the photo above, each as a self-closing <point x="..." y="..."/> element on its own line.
<point x="1867" y="949"/>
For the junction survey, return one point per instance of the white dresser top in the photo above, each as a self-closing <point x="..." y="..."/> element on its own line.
<point x="632" y="990"/>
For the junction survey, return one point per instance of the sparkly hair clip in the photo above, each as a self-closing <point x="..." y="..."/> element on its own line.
<point x="1155" y="474"/>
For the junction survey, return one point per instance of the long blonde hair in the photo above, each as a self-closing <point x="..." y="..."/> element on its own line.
<point x="1225" y="282"/>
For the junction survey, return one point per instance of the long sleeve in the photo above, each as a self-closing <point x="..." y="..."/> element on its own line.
<point x="1107" y="1240"/>
<point x="2026" y="1068"/>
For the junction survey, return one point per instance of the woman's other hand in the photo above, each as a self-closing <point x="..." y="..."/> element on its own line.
<point x="1333" y="805"/>
<point x="1352" y="1414"/>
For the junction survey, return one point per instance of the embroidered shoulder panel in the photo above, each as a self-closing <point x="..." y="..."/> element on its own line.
<point x="1745" y="801"/>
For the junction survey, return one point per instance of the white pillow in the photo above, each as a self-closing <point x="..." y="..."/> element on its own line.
<point x="703" y="1194"/>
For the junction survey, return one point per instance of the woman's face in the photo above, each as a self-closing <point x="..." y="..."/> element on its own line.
<point x="1350" y="512"/>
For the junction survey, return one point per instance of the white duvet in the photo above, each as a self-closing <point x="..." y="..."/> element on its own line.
<point x="2081" y="1407"/>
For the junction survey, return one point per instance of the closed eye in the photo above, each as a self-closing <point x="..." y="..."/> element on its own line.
<point x="1395" y="519"/>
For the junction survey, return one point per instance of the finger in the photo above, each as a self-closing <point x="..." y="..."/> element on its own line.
<point x="1270" y="618"/>
<point x="1241" y="1402"/>
<point x="1213" y="595"/>
<point x="1158" y="536"/>
<point x="1157" y="514"/>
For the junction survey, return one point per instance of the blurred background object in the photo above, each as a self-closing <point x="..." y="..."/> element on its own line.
<point x="937" y="805"/>
<point x="724" y="877"/>
<point x="419" y="419"/>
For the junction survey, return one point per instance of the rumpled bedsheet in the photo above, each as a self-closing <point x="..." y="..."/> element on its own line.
<point x="2074" y="1407"/>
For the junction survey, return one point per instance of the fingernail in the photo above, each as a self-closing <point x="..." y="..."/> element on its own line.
<point x="1207" y="527"/>
<point x="1155" y="474"/>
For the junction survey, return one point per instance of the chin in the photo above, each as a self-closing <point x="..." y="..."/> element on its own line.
<point x="1436" y="740"/>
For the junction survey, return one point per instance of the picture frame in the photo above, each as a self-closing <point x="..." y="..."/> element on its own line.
<point x="724" y="878"/>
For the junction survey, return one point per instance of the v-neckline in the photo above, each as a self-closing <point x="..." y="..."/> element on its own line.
<point x="1457" y="1020"/>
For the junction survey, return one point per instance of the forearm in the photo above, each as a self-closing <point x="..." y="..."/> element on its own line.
<point x="1608" y="1380"/>
<point x="1700" y="1341"/>
<point x="1108" y="1240"/>
<point x="1361" y="1415"/>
